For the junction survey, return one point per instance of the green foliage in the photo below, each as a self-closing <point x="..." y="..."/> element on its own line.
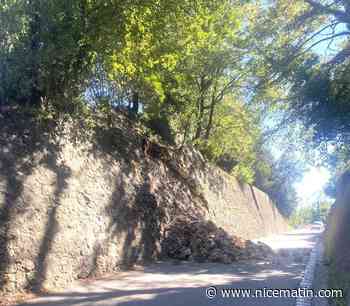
<point x="231" y="143"/>
<point x="306" y="215"/>
<point x="322" y="102"/>
<point x="316" y="87"/>
<point x="276" y="178"/>
<point x="46" y="55"/>
<point x="193" y="71"/>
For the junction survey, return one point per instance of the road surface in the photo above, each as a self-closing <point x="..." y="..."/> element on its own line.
<point x="185" y="284"/>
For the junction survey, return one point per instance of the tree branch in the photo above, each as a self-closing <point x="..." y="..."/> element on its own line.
<point x="344" y="33"/>
<point x="317" y="33"/>
<point x="339" y="14"/>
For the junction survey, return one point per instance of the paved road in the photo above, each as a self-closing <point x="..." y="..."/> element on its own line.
<point x="167" y="284"/>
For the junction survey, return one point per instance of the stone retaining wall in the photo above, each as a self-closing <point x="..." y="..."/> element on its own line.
<point x="73" y="209"/>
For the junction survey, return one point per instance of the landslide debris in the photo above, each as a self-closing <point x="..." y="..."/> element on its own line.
<point x="203" y="241"/>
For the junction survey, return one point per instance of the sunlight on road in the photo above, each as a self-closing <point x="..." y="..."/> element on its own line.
<point x="166" y="283"/>
<point x="297" y="239"/>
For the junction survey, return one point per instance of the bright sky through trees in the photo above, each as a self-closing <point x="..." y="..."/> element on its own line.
<point x="310" y="188"/>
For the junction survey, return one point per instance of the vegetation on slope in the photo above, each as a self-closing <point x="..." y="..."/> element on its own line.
<point x="213" y="74"/>
<point x="209" y="74"/>
<point x="187" y="69"/>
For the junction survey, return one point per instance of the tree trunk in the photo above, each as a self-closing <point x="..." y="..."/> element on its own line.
<point x="185" y="134"/>
<point x="210" y="122"/>
<point x="200" y="118"/>
<point x="135" y="103"/>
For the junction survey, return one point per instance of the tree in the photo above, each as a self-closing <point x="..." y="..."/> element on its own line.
<point x="48" y="55"/>
<point x="276" y="177"/>
<point x="232" y="141"/>
<point x="318" y="211"/>
<point x="298" y="28"/>
<point x="321" y="100"/>
<point x="195" y="72"/>
<point x="316" y="88"/>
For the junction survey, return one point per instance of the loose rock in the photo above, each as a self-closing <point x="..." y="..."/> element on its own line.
<point x="203" y="241"/>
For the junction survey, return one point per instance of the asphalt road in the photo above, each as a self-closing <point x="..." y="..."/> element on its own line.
<point x="169" y="284"/>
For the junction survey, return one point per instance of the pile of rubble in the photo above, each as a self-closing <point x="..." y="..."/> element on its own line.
<point x="203" y="241"/>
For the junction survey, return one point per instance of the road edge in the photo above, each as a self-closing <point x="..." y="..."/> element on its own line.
<point x="309" y="272"/>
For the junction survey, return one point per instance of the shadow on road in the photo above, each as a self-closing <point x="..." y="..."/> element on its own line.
<point x="175" y="284"/>
<point x="169" y="284"/>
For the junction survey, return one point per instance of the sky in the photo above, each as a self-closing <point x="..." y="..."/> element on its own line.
<point x="311" y="186"/>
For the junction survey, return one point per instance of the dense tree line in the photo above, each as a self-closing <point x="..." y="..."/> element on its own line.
<point x="198" y="72"/>
<point x="318" y="211"/>
<point x="317" y="86"/>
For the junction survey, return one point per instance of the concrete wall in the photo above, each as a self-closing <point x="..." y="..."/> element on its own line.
<point x="72" y="209"/>
<point x="337" y="238"/>
<point x="240" y="209"/>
